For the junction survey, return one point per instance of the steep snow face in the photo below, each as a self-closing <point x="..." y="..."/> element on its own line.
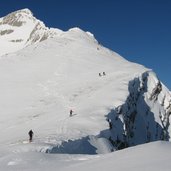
<point x="42" y="82"/>
<point x="20" y="29"/>
<point x="145" y="115"/>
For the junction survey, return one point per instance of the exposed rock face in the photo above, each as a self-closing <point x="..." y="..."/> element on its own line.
<point x="145" y="116"/>
<point x="3" y="32"/>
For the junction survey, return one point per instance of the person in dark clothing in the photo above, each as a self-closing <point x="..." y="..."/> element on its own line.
<point x="100" y="75"/>
<point x="70" y="113"/>
<point x="104" y="73"/>
<point x="30" y="135"/>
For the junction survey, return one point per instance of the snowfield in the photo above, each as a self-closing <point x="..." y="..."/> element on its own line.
<point x="149" y="157"/>
<point x="40" y="83"/>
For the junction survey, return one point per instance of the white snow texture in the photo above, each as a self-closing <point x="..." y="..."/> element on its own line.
<point x="45" y="72"/>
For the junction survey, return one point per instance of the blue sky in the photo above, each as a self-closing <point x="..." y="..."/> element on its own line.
<point x="139" y="30"/>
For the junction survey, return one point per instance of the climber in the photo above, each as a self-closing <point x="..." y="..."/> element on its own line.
<point x="70" y="113"/>
<point x="30" y="135"/>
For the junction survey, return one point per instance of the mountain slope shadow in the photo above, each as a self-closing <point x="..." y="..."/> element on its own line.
<point x="80" y="146"/>
<point x="134" y="122"/>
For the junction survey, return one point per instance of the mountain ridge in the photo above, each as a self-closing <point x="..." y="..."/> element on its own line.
<point x="43" y="81"/>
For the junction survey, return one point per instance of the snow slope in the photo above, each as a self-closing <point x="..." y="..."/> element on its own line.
<point x="42" y="82"/>
<point x="149" y="157"/>
<point x="152" y="157"/>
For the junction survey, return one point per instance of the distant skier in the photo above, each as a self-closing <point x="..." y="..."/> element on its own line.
<point x="100" y="75"/>
<point x="70" y="113"/>
<point x="104" y="73"/>
<point x="30" y="135"/>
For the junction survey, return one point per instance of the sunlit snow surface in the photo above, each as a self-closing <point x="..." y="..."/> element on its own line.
<point x="148" y="157"/>
<point x="42" y="82"/>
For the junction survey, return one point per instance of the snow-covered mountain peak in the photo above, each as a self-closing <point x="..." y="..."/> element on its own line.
<point x="77" y="30"/>
<point x="79" y="33"/>
<point x="25" y="11"/>
<point x="20" y="29"/>
<point x="115" y="103"/>
<point x="18" y="18"/>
